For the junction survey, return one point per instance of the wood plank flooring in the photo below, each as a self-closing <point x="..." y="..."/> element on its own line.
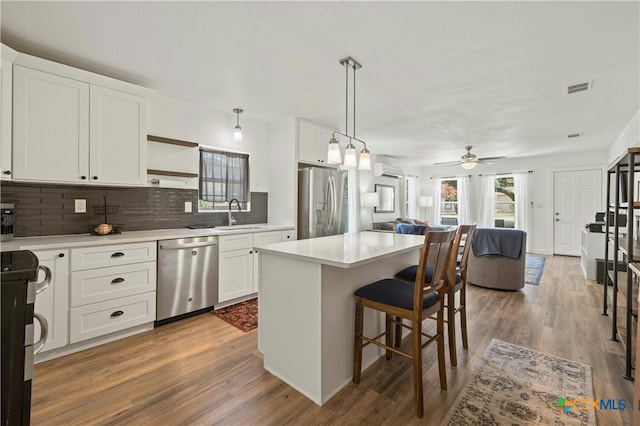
<point x="202" y="371"/>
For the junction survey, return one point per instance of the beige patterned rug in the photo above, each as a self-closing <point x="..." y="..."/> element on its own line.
<point x="516" y="385"/>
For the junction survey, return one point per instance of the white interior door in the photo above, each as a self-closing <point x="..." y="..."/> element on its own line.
<point x="577" y="196"/>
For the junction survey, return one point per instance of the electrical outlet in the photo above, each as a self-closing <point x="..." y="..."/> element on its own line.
<point x="81" y="206"/>
<point x="187" y="206"/>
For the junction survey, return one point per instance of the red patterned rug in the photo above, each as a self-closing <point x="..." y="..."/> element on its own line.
<point x="243" y="315"/>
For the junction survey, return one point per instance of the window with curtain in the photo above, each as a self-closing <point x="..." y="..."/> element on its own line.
<point x="504" y="202"/>
<point x="223" y="177"/>
<point x="449" y="202"/>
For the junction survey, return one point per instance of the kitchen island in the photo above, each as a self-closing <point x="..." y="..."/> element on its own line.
<point x="306" y="314"/>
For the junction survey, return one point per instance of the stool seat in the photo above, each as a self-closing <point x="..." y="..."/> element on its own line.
<point x="395" y="293"/>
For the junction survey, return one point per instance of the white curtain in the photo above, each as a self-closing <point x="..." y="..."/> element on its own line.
<point x="464" y="201"/>
<point x="412" y="197"/>
<point x="437" y="195"/>
<point x="487" y="204"/>
<point x="521" y="190"/>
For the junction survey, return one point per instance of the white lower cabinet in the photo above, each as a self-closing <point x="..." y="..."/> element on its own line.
<point x="113" y="288"/>
<point x="239" y="262"/>
<point x="98" y="319"/>
<point x="235" y="274"/>
<point x="53" y="302"/>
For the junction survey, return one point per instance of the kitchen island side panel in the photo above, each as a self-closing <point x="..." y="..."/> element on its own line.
<point x="338" y="318"/>
<point x="289" y="322"/>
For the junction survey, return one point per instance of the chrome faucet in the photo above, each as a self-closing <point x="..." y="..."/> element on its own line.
<point x="232" y="220"/>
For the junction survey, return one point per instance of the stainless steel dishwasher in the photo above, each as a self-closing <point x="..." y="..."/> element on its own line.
<point x="187" y="277"/>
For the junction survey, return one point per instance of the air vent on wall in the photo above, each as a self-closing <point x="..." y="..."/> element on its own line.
<point x="578" y="87"/>
<point x="574" y="135"/>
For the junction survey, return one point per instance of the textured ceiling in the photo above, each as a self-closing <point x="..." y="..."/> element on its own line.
<point x="436" y="76"/>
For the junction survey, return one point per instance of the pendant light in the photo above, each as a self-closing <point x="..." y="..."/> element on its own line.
<point x="237" y="131"/>
<point x="333" y="154"/>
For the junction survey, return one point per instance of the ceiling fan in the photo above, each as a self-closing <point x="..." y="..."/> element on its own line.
<point x="469" y="160"/>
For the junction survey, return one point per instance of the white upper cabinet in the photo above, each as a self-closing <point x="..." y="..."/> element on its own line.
<point x="117" y="137"/>
<point x="50" y="127"/>
<point x="313" y="143"/>
<point x="72" y="126"/>
<point x="6" y="90"/>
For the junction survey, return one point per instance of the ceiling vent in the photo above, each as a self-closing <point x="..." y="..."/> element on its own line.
<point x="579" y="87"/>
<point x="574" y="135"/>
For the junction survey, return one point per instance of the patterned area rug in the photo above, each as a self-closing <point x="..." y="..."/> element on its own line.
<point x="533" y="268"/>
<point x="516" y="385"/>
<point x="243" y="315"/>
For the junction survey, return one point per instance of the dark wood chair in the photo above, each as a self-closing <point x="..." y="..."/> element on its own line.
<point x="399" y="300"/>
<point x="456" y="274"/>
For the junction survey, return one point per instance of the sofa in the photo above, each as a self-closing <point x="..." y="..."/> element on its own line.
<point x="497" y="258"/>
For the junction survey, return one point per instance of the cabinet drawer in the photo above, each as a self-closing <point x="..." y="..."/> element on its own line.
<point x="262" y="238"/>
<point x="99" y="285"/>
<point x="112" y="255"/>
<point x="289" y="235"/>
<point x="235" y="242"/>
<point x="103" y="318"/>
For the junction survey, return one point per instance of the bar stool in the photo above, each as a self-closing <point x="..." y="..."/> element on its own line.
<point x="399" y="300"/>
<point x="457" y="274"/>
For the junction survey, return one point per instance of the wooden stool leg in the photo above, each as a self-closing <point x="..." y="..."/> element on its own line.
<point x="357" y="343"/>
<point x="440" y="343"/>
<point x="388" y="337"/>
<point x="416" y="334"/>
<point x="463" y="316"/>
<point x="451" y="326"/>
<point x="398" y="333"/>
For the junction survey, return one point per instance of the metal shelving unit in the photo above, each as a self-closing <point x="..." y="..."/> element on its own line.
<point x="623" y="171"/>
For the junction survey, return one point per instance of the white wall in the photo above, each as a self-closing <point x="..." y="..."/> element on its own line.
<point x="173" y="118"/>
<point x="629" y="137"/>
<point x="283" y="175"/>
<point x="540" y="236"/>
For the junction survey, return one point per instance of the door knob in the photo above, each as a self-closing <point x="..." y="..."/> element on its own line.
<point x="557" y="220"/>
<point x="557" y="214"/>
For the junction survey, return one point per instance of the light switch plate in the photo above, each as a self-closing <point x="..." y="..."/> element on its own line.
<point x="81" y="206"/>
<point x="187" y="206"/>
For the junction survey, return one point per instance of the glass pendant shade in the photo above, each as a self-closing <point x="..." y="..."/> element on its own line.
<point x="237" y="134"/>
<point x="350" y="160"/>
<point x="333" y="155"/>
<point x="365" y="161"/>
<point x="468" y="165"/>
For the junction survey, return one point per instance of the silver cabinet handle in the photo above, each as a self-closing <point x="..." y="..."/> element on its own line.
<point x="44" y="333"/>
<point x="42" y="286"/>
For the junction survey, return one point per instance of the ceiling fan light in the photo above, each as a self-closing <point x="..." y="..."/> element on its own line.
<point x="468" y="165"/>
<point x="333" y="155"/>
<point x="350" y="160"/>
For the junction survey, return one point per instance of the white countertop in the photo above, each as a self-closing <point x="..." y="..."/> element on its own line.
<point x="347" y="250"/>
<point x="84" y="240"/>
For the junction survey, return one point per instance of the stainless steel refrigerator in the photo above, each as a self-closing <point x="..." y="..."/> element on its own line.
<point x="322" y="202"/>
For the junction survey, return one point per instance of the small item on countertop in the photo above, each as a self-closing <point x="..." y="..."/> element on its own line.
<point x="103" y="229"/>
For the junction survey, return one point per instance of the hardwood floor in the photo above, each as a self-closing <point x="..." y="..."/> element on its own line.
<point x="203" y="371"/>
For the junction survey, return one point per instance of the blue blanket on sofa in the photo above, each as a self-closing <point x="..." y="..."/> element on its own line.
<point x="406" y="228"/>
<point x="500" y="242"/>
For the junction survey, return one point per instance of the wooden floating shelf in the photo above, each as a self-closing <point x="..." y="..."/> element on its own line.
<point x="168" y="173"/>
<point x="171" y="141"/>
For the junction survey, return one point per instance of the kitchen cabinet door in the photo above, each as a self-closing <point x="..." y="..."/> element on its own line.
<point x="117" y="142"/>
<point x="50" y="127"/>
<point x="53" y="302"/>
<point x="235" y="274"/>
<point x="262" y="238"/>
<point x="313" y="141"/>
<point x="6" y="90"/>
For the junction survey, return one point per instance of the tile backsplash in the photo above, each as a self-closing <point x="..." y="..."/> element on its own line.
<point x="49" y="209"/>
